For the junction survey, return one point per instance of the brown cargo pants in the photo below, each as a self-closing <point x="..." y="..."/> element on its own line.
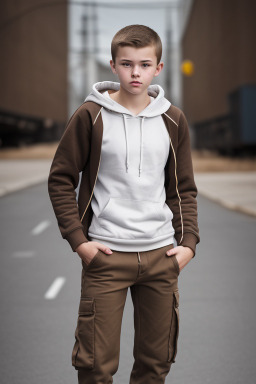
<point x="153" y="280"/>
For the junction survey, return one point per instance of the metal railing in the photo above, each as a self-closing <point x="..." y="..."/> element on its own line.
<point x="18" y="129"/>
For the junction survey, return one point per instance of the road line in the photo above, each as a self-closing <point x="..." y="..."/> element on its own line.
<point x="41" y="227"/>
<point x="54" y="289"/>
<point x="24" y="254"/>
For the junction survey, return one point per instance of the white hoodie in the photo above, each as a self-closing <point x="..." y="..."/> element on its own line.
<point x="128" y="203"/>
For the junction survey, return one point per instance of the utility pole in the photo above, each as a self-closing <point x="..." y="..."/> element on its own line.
<point x="90" y="48"/>
<point x="95" y="42"/>
<point x="168" y="52"/>
<point x="84" y="55"/>
<point x="95" y="31"/>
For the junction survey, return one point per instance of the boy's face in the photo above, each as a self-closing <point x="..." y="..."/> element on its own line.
<point x="136" y="64"/>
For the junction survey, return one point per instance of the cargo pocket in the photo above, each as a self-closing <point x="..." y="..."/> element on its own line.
<point x="174" y="328"/>
<point x="83" y="350"/>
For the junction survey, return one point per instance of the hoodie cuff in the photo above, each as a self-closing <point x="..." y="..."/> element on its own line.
<point x="189" y="240"/>
<point x="76" y="238"/>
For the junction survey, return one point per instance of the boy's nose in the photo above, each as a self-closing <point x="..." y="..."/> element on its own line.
<point x="135" y="71"/>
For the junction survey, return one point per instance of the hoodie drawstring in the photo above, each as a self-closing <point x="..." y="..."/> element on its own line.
<point x="126" y="140"/>
<point x="141" y="141"/>
<point x="127" y="144"/>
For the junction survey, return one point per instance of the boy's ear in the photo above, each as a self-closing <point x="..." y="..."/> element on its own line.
<point x="112" y="66"/>
<point x="159" y="68"/>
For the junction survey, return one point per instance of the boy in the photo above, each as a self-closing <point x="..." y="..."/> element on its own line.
<point x="137" y="196"/>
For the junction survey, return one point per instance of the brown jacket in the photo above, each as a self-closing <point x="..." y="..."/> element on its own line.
<point x="79" y="150"/>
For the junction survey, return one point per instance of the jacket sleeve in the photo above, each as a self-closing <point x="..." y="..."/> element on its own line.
<point x="182" y="196"/>
<point x="70" y="158"/>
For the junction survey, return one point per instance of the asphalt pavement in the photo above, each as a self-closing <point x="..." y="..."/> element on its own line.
<point x="40" y="290"/>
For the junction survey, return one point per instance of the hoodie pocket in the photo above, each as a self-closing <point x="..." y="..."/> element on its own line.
<point x="174" y="328"/>
<point x="136" y="216"/>
<point x="83" y="350"/>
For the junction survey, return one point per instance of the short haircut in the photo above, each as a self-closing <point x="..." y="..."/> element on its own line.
<point x="138" y="36"/>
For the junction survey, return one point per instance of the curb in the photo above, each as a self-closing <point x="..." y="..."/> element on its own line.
<point x="228" y="205"/>
<point x="6" y="190"/>
<point x="16" y="175"/>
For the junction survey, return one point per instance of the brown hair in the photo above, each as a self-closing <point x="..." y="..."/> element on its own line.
<point x="138" y="36"/>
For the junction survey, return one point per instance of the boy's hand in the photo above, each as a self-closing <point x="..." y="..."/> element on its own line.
<point x="183" y="255"/>
<point x="87" y="251"/>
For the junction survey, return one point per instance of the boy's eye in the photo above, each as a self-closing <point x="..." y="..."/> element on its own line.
<point x="145" y="65"/>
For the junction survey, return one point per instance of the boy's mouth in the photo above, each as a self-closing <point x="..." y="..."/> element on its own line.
<point x="135" y="82"/>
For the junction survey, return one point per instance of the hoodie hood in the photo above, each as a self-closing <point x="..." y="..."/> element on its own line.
<point x="158" y="106"/>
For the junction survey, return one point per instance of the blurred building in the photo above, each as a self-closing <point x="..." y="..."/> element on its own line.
<point x="33" y="75"/>
<point x="102" y="72"/>
<point x="219" y="39"/>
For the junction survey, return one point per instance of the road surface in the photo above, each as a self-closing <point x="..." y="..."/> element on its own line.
<point x="40" y="290"/>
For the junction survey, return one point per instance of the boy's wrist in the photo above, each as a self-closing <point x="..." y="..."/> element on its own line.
<point x="189" y="251"/>
<point x="75" y="238"/>
<point x="80" y="246"/>
<point x="189" y="240"/>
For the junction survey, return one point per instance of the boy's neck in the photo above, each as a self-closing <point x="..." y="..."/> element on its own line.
<point x="134" y="103"/>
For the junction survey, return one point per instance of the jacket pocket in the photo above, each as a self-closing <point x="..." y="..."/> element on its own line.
<point x="83" y="350"/>
<point x="174" y="328"/>
<point x="176" y="264"/>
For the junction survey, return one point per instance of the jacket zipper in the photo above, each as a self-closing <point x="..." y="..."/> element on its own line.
<point x="177" y="190"/>
<point x="91" y="193"/>
<point x="176" y="178"/>
<point x="95" y="177"/>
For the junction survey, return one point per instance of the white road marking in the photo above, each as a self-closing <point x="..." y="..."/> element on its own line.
<point x="24" y="254"/>
<point x="41" y="227"/>
<point x="55" y="288"/>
